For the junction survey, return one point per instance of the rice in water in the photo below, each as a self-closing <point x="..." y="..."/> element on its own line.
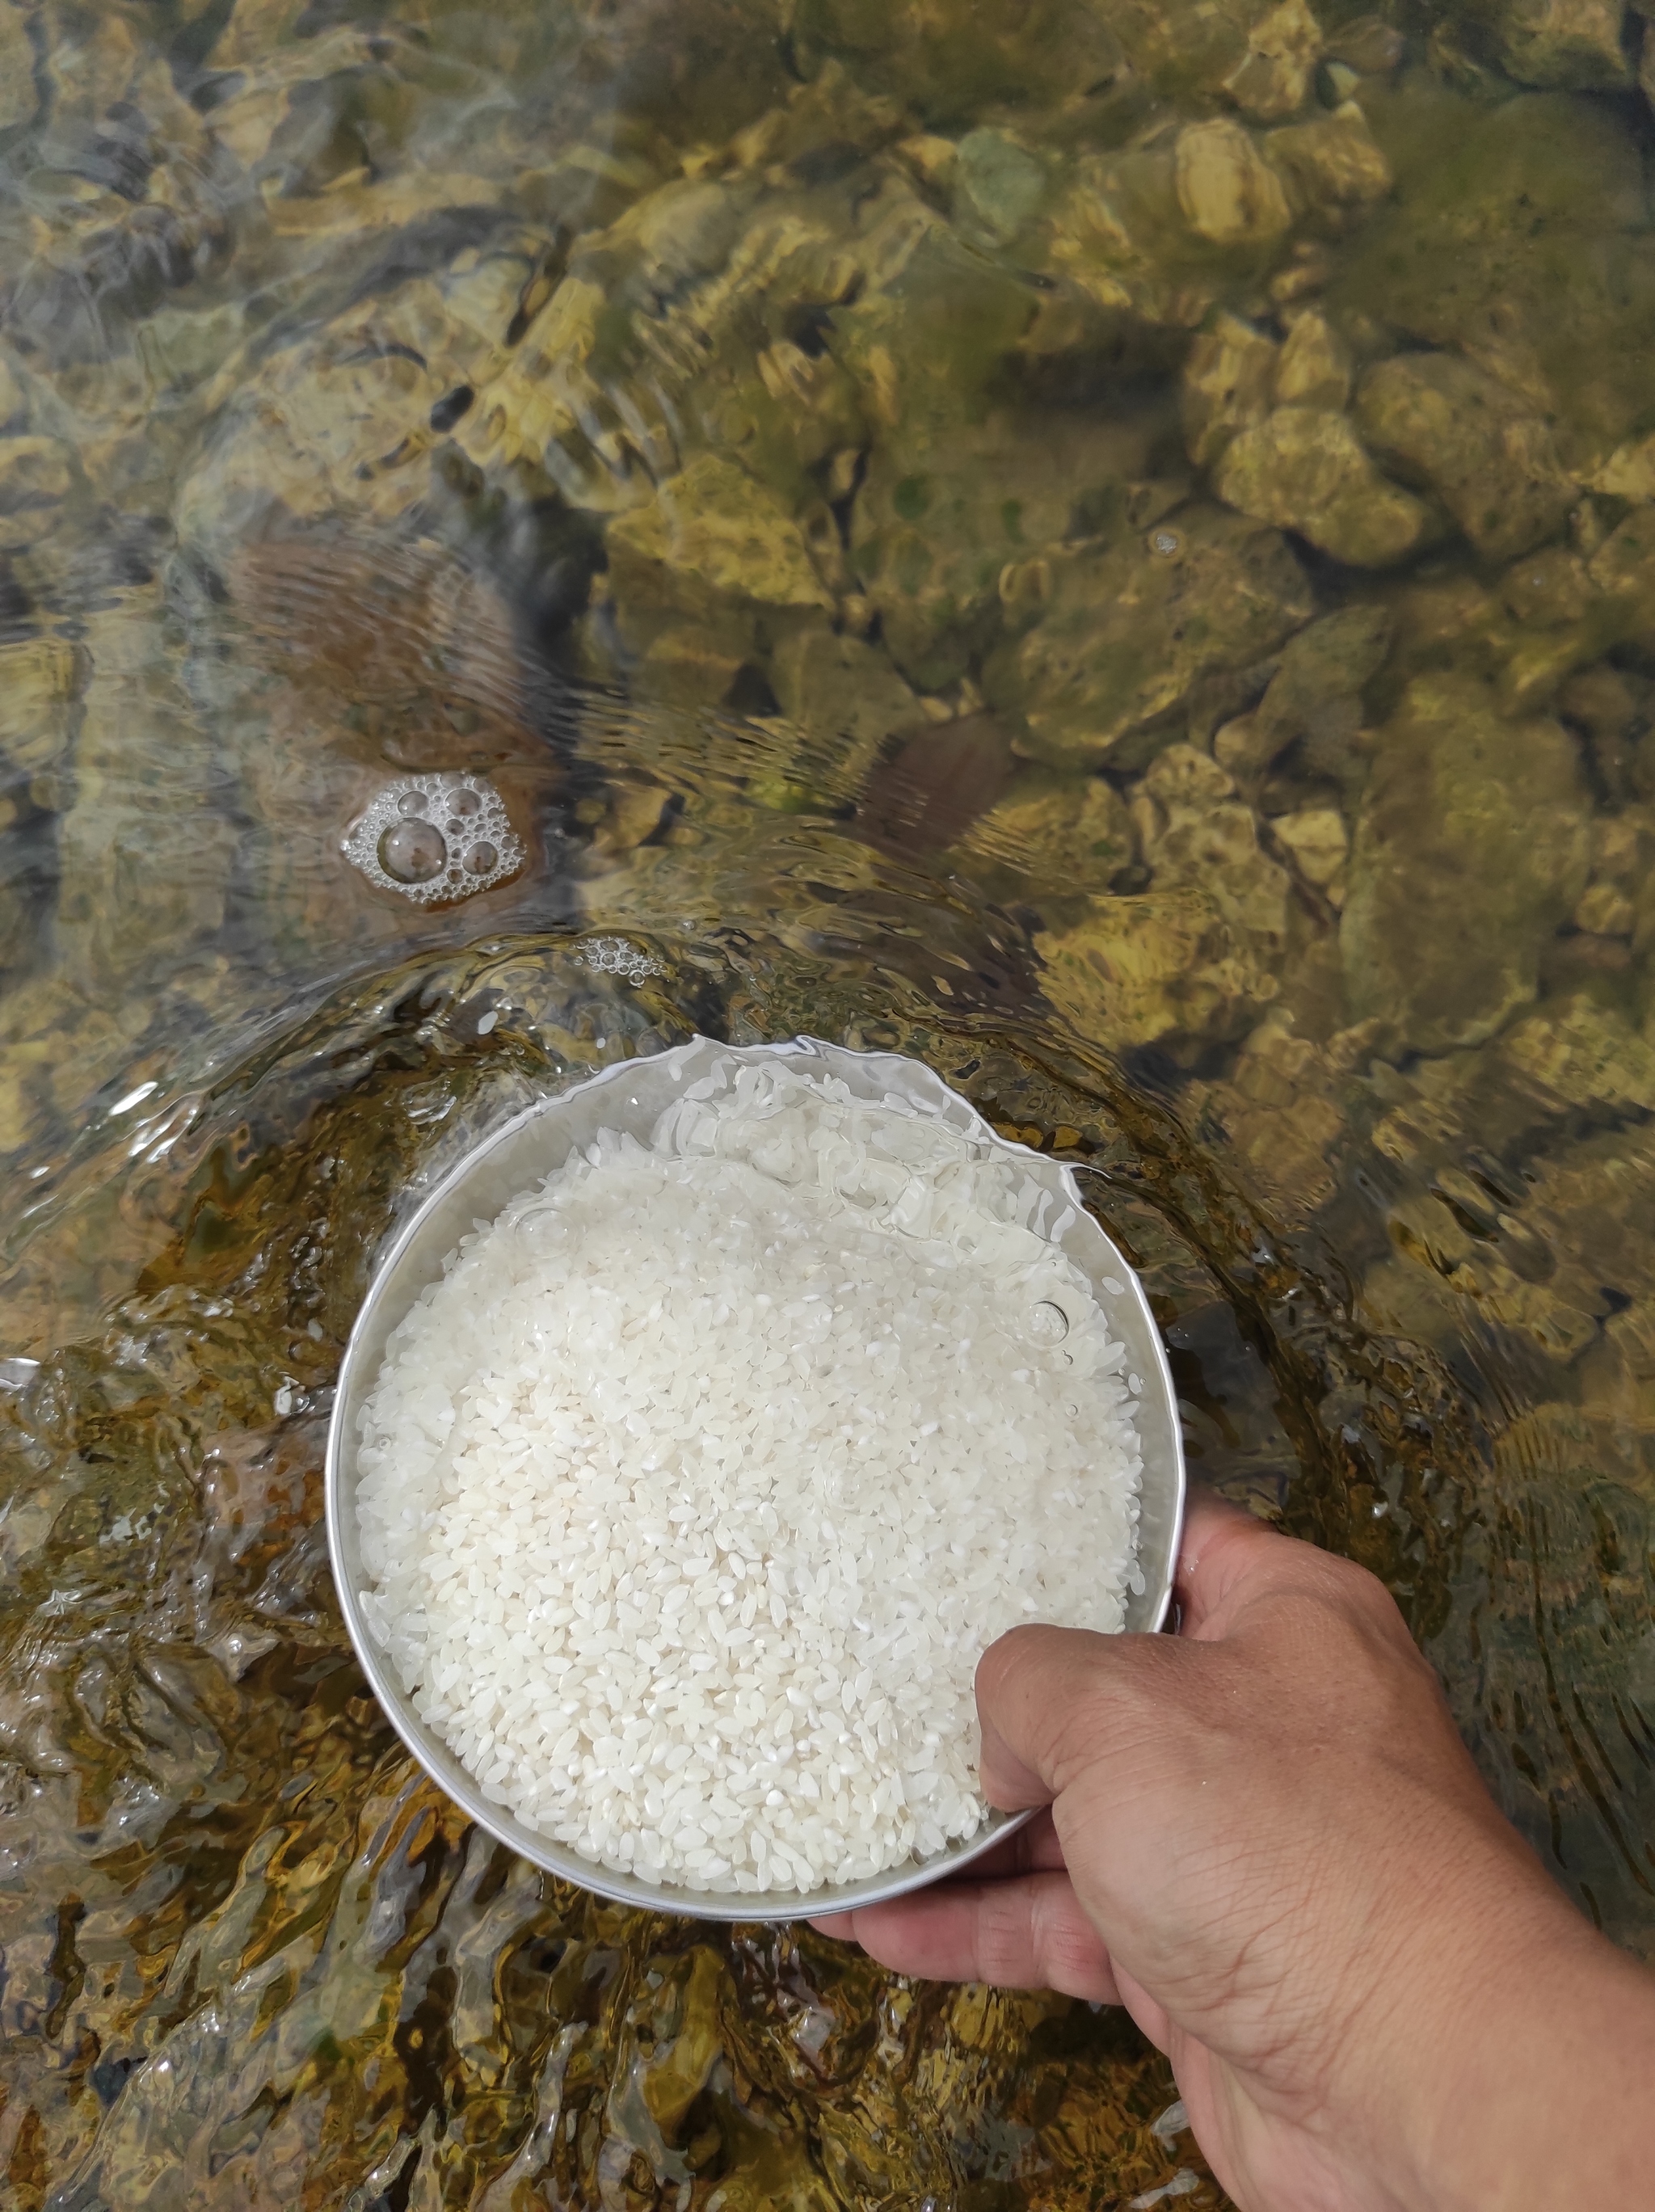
<point x="693" y="1490"/>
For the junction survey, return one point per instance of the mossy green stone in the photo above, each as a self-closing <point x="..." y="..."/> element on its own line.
<point x="1471" y="848"/>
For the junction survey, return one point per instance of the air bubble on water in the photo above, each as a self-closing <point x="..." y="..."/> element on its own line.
<point x="1048" y="1324"/>
<point x="398" y="845"/>
<point x="412" y="852"/>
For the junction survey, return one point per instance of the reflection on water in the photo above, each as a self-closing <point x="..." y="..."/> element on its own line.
<point x="1110" y="547"/>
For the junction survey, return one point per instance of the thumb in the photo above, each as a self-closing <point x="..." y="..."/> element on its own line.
<point x="1050" y="1700"/>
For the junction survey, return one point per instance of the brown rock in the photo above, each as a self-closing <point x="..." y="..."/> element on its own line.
<point x="1228" y="377"/>
<point x="1472" y="846"/>
<point x="1314" y="369"/>
<point x="1229" y="193"/>
<point x="1488" y="456"/>
<point x="1304" y="469"/>
<point x="1272" y="80"/>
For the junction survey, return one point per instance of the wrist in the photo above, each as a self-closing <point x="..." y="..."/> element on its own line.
<point x="1531" y="2079"/>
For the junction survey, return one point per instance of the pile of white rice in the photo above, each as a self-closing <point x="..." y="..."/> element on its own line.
<point x="693" y="1490"/>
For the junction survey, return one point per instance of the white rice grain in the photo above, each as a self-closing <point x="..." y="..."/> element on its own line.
<point x="693" y="1491"/>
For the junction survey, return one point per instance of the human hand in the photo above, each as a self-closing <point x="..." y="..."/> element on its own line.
<point x="1266" y="1840"/>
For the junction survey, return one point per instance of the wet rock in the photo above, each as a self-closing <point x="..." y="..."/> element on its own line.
<point x="715" y="546"/>
<point x="1471" y="848"/>
<point x="1194" y="51"/>
<point x="1624" y="570"/>
<point x="1318" y="843"/>
<point x="998" y="186"/>
<point x="1609" y="707"/>
<point x="820" y="124"/>
<point x="1305" y="469"/>
<point x="14" y="399"/>
<point x="1314" y="368"/>
<point x="1120" y="236"/>
<point x="1514" y="245"/>
<point x="1064" y="833"/>
<point x="1273" y="78"/>
<point x="40" y="679"/>
<point x="1127" y="631"/>
<point x="846" y="701"/>
<point x="144" y="836"/>
<point x="339" y="424"/>
<point x="1193" y="828"/>
<point x="1550" y="589"/>
<point x="393" y="649"/>
<point x="1158" y="967"/>
<point x="64" y="304"/>
<point x="1628" y="473"/>
<point x="1604" y="910"/>
<point x="1282" y="1110"/>
<point x="693" y="320"/>
<point x="1317" y="690"/>
<point x="1368" y="45"/>
<point x="686" y="664"/>
<point x="1229" y="195"/>
<point x="17" y="97"/>
<point x="1229" y="375"/>
<point x="1583" y="1055"/>
<point x="36" y="477"/>
<point x="1446" y="1274"/>
<point x="925" y="792"/>
<point x="1489" y="458"/>
<point x="1195" y="957"/>
<point x="1577" y="45"/>
<point x="946" y="507"/>
<point x="948" y="63"/>
<point x="1332" y="171"/>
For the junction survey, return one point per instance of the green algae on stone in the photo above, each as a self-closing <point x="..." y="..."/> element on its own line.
<point x="1128" y="630"/>
<point x="1520" y="242"/>
<point x="1305" y="469"/>
<point x="1471" y="848"/>
<point x="945" y="507"/>
<point x="1487" y="456"/>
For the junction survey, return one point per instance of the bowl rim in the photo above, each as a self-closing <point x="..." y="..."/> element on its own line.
<point x="433" y="1758"/>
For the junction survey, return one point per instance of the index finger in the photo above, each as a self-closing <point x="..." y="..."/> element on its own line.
<point x="1219" y="1544"/>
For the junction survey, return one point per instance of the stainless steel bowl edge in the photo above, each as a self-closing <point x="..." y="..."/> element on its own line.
<point x="519" y="1153"/>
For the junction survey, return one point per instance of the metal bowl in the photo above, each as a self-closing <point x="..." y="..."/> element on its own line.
<point x="629" y="1096"/>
